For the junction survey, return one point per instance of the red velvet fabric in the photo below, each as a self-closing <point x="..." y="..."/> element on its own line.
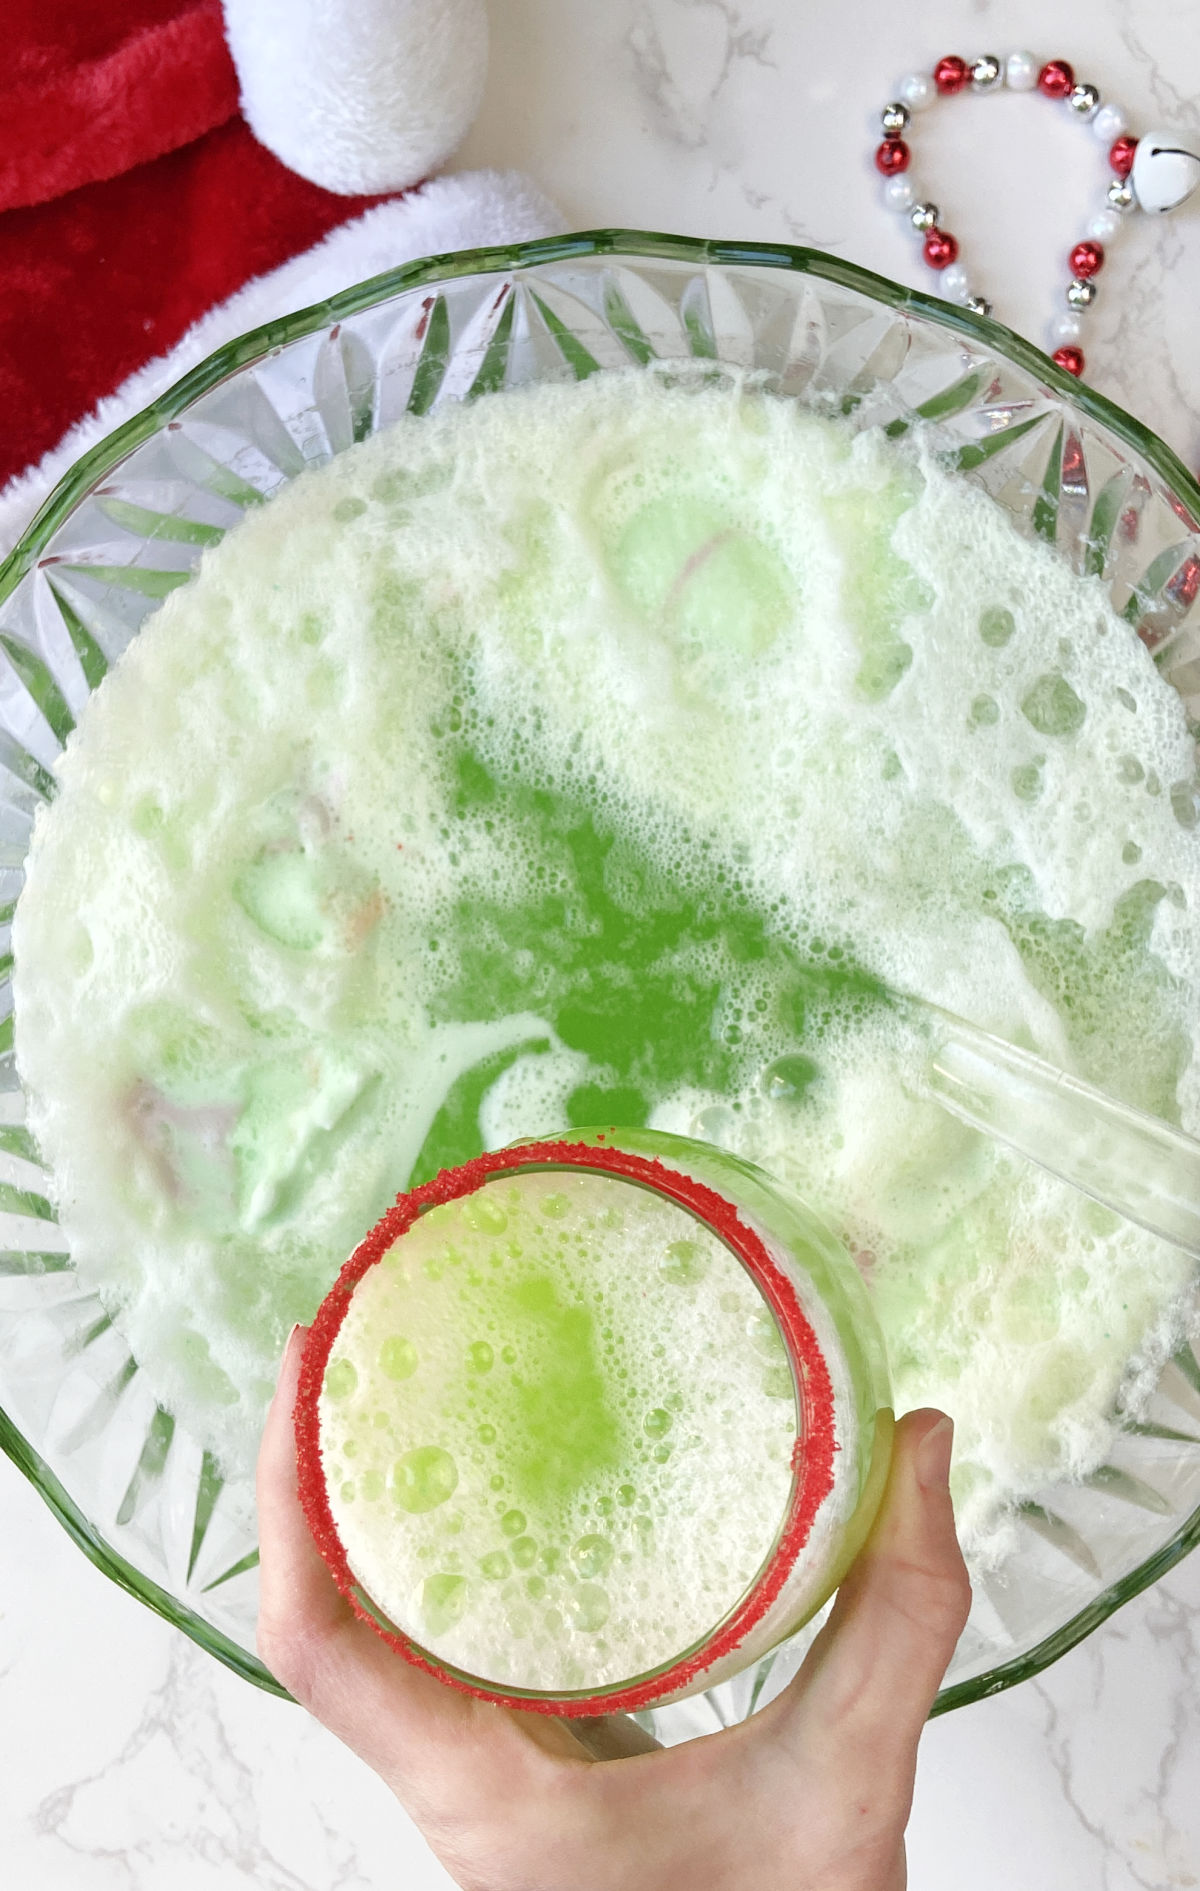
<point x="91" y="90"/>
<point x="141" y="200"/>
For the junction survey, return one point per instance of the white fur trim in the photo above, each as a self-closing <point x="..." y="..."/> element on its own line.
<point x="359" y="95"/>
<point x="471" y="211"/>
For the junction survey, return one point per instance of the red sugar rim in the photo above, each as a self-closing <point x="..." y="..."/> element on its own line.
<point x="812" y="1455"/>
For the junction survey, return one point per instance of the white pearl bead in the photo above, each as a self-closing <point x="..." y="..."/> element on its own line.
<point x="1021" y="71"/>
<point x="1110" y="122"/>
<point x="899" y="193"/>
<point x="916" y="90"/>
<point x="1066" y="329"/>
<point x="954" y="285"/>
<point x="1105" y="225"/>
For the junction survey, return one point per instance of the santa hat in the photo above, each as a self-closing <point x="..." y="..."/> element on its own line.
<point x="367" y="96"/>
<point x="158" y="155"/>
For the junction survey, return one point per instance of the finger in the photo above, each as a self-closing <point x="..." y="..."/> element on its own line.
<point x="295" y="1587"/>
<point x="865" y="1691"/>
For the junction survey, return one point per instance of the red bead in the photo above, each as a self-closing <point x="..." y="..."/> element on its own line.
<point x="892" y="157"/>
<point x="1121" y="156"/>
<point x="951" y="75"/>
<point x="1069" y="358"/>
<point x="940" y="248"/>
<point x="1086" y="259"/>
<point x="1056" y="78"/>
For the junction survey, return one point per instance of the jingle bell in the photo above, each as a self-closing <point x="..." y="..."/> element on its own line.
<point x="1166" y="169"/>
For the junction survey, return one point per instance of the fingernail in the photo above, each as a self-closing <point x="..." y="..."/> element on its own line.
<point x="933" y="1456"/>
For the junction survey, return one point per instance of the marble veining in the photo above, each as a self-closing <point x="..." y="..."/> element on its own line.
<point x="132" y="1761"/>
<point x="685" y="55"/>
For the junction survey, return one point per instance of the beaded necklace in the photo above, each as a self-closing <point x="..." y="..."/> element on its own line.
<point x="1156" y="173"/>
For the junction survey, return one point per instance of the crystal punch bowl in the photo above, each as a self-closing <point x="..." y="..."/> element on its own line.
<point x="141" y="1497"/>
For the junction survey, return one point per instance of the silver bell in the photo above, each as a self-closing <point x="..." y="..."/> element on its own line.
<point x="986" y="73"/>
<point x="923" y="217"/>
<point x="1166" y="169"/>
<point x="894" y="119"/>
<point x="1084" y="99"/>
<point x="1119" y="195"/>
<point x="1081" y="293"/>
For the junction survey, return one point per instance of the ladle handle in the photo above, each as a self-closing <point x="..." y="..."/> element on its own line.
<point x="1144" y="1168"/>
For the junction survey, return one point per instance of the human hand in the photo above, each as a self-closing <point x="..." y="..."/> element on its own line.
<point x="812" y="1794"/>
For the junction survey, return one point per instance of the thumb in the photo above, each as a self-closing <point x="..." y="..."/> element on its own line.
<point x="865" y="1691"/>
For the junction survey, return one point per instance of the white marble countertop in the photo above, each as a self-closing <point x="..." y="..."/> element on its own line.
<point x="131" y="1761"/>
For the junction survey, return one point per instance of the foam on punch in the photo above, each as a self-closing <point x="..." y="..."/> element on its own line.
<point x="610" y="751"/>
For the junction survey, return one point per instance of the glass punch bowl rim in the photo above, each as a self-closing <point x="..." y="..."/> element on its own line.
<point x="431" y="272"/>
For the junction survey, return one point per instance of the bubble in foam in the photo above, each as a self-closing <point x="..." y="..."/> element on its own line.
<point x="341" y="1379"/>
<point x="588" y="1607"/>
<point x="996" y="626"/>
<point x="444" y="1600"/>
<point x="1052" y="707"/>
<point x="591" y="1555"/>
<point x="398" y="1357"/>
<point x="683" y="1263"/>
<point x="1027" y="779"/>
<point x="483" y="1216"/>
<point x="1185" y="804"/>
<point x="424" y="1478"/>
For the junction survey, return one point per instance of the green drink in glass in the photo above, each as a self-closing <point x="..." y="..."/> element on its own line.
<point x="592" y="1423"/>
